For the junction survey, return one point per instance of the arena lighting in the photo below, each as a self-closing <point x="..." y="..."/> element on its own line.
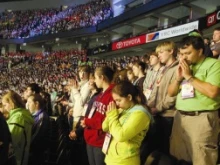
<point x="9" y="10"/>
<point x="24" y="44"/>
<point x="65" y="7"/>
<point x="57" y="39"/>
<point x="116" y="1"/>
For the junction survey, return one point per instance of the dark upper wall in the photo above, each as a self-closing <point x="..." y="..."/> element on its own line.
<point x="152" y="5"/>
<point x="37" y="4"/>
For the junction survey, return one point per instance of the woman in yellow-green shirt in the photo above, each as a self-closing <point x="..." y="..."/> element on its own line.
<point x="125" y="129"/>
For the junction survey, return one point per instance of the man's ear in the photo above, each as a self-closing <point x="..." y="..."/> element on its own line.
<point x="38" y="104"/>
<point x="102" y="77"/>
<point x="200" y="52"/>
<point x="130" y="97"/>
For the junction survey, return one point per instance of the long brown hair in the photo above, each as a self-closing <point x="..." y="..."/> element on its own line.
<point x="106" y="72"/>
<point x="13" y="99"/>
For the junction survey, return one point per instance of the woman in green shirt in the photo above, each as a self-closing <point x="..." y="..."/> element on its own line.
<point x="127" y="127"/>
<point x="20" y="124"/>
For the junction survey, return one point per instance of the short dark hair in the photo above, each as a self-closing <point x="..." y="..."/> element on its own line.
<point x="146" y="56"/>
<point x="153" y="53"/>
<point x="217" y="28"/>
<point x="141" y="64"/>
<point x="38" y="98"/>
<point x="34" y="87"/>
<point x="196" y="42"/>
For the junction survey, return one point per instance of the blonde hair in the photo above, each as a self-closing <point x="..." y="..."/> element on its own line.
<point x="13" y="99"/>
<point x="168" y="46"/>
<point x="85" y="68"/>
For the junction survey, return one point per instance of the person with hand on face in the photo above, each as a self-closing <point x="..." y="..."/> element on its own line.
<point x="195" y="130"/>
<point x="79" y="148"/>
<point x="126" y="128"/>
<point x="93" y="133"/>
<point x="80" y="92"/>
<point x="94" y="91"/>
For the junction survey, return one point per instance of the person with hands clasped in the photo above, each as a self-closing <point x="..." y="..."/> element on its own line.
<point x="79" y="93"/>
<point x="161" y="105"/>
<point x="127" y="128"/>
<point x="197" y="86"/>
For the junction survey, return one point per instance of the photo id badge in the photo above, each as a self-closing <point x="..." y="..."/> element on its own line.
<point x="106" y="143"/>
<point x="187" y="90"/>
<point x="92" y="111"/>
<point x="147" y="93"/>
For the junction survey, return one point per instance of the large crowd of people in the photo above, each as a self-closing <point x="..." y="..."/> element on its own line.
<point x="31" y="23"/>
<point x="161" y="107"/>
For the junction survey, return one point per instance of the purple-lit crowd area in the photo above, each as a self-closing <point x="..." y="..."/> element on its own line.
<point x="31" y="23"/>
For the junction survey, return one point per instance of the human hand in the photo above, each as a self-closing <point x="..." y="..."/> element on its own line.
<point x="64" y="102"/>
<point x="185" y="69"/>
<point x="111" y="106"/>
<point x="179" y="74"/>
<point x="72" y="135"/>
<point x="82" y="123"/>
<point x="153" y="111"/>
<point x="75" y="84"/>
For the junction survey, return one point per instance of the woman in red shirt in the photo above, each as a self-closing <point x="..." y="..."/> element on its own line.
<point x="93" y="132"/>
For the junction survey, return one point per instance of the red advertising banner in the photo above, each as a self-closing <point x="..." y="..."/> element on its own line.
<point x="213" y="18"/>
<point x="129" y="42"/>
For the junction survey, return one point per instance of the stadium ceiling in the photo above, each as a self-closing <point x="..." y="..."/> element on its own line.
<point x="10" y="0"/>
<point x="37" y="4"/>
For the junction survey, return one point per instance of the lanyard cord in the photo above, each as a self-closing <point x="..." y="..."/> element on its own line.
<point x="199" y="66"/>
<point x="154" y="77"/>
<point x="164" y="71"/>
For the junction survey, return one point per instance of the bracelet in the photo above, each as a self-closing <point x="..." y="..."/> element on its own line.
<point x="190" y="79"/>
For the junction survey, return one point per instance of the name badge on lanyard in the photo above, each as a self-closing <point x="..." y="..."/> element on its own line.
<point x="106" y="143"/>
<point x="92" y="111"/>
<point x="187" y="90"/>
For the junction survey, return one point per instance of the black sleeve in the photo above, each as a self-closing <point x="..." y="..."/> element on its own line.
<point x="5" y="139"/>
